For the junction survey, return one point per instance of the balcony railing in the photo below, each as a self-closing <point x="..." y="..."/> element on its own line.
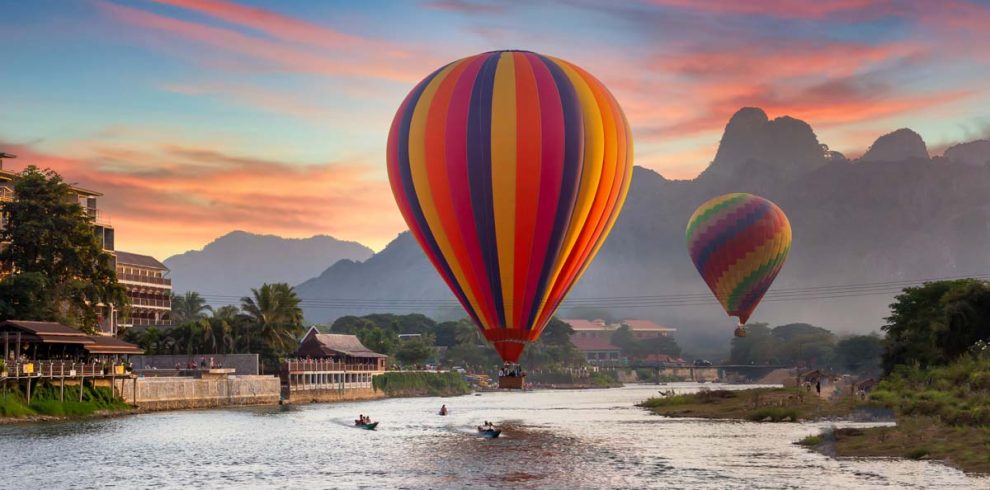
<point x="162" y="303"/>
<point x="144" y="322"/>
<point x="61" y="368"/>
<point x="99" y="216"/>
<point x="124" y="276"/>
<point x="303" y="366"/>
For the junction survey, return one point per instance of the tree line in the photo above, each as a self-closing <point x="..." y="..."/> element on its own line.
<point x="269" y="322"/>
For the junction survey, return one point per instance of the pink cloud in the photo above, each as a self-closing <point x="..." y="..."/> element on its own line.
<point x="173" y="198"/>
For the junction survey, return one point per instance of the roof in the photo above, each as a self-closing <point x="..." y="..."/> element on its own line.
<point x="147" y="261"/>
<point x="582" y="325"/>
<point x="586" y="344"/>
<point x="329" y="344"/>
<point x="110" y="345"/>
<point x="47" y="332"/>
<point x="646" y="326"/>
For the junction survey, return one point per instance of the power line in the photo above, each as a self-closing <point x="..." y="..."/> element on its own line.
<point x="836" y="291"/>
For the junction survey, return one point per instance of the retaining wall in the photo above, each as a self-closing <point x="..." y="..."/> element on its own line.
<point x="181" y="393"/>
<point x="331" y="395"/>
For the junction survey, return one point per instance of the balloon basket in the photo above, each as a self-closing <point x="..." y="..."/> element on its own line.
<point x="511" y="382"/>
<point x="740" y="332"/>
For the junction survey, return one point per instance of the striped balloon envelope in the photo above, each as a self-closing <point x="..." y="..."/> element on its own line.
<point x="738" y="243"/>
<point x="510" y="168"/>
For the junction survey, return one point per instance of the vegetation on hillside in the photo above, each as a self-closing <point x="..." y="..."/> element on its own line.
<point x="61" y="272"/>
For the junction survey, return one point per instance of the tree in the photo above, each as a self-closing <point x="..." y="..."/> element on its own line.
<point x="935" y="323"/>
<point x="25" y="296"/>
<point x="275" y="318"/>
<point x="49" y="234"/>
<point x="379" y="340"/>
<point x="189" y="307"/>
<point x="859" y="354"/>
<point x="415" y="350"/>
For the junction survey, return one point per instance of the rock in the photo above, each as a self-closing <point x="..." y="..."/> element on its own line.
<point x="975" y="153"/>
<point x="900" y="145"/>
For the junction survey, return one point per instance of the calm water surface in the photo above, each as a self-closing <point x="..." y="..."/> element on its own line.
<point x="552" y="439"/>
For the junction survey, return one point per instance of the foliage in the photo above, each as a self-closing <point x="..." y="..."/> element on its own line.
<point x="45" y="401"/>
<point x="859" y="354"/>
<point x="957" y="394"/>
<point x="420" y="384"/>
<point x="48" y="234"/>
<point x="638" y="348"/>
<point x="798" y="344"/>
<point x="269" y="323"/>
<point x="380" y="340"/>
<point x="189" y="307"/>
<point x="935" y="323"/>
<point x="415" y="350"/>
<point x="26" y="295"/>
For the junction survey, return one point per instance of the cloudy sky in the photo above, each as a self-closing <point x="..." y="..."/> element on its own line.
<point x="197" y="117"/>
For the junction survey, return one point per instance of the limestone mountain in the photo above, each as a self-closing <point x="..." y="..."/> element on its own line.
<point x="867" y="221"/>
<point x="975" y="153"/>
<point x="236" y="262"/>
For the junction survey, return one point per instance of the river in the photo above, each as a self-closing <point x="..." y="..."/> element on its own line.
<point x="552" y="439"/>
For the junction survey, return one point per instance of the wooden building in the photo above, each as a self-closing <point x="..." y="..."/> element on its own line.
<point x="52" y="340"/>
<point x="345" y="349"/>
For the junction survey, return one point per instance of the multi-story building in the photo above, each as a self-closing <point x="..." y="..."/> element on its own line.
<point x="148" y="289"/>
<point x="594" y="337"/>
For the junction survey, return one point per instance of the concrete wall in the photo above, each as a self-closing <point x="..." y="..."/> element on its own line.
<point x="180" y="393"/>
<point x="692" y="373"/>
<point x="243" y="363"/>
<point x="324" y="395"/>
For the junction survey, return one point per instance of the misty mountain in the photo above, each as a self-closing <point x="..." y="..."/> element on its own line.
<point x="234" y="263"/>
<point x="893" y="215"/>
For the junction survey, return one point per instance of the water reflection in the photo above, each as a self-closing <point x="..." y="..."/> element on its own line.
<point x="563" y="439"/>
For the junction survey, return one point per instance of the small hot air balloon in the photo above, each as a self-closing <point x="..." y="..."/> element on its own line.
<point x="510" y="168"/>
<point x="738" y="243"/>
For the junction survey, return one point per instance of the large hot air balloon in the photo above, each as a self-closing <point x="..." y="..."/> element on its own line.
<point x="738" y="242"/>
<point x="510" y="168"/>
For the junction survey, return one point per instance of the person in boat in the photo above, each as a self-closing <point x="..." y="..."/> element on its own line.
<point x="443" y="410"/>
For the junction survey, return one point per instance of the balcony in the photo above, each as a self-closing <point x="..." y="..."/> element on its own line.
<point x="162" y="281"/>
<point x="155" y="303"/>
<point x="144" y="322"/>
<point x="99" y="217"/>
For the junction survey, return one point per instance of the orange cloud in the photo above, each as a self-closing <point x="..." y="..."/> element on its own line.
<point x="174" y="198"/>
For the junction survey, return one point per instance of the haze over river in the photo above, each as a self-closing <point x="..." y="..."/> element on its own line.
<point x="552" y="439"/>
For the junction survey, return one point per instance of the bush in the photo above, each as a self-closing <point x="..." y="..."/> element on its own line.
<point x="810" y="441"/>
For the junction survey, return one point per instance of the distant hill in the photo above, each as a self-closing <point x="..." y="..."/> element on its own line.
<point x="238" y="261"/>
<point x="896" y="215"/>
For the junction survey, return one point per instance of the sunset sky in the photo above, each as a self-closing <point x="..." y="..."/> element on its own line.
<point x="198" y="117"/>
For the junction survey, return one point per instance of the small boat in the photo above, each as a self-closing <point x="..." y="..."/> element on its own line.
<point x="365" y="426"/>
<point x="489" y="433"/>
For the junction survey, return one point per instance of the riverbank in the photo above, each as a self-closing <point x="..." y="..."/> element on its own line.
<point x="943" y="414"/>
<point x="48" y="403"/>
<point x="918" y="438"/>
<point x="414" y="384"/>
<point x="567" y="381"/>
<point x="755" y="405"/>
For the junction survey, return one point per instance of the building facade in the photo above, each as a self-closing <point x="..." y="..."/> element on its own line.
<point x="593" y="338"/>
<point x="149" y="291"/>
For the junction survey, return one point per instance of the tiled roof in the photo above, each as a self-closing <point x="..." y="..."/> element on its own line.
<point x="127" y="258"/>
<point x="586" y="344"/>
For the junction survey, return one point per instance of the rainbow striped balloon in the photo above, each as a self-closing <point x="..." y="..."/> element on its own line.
<point x="510" y="168"/>
<point x="738" y="242"/>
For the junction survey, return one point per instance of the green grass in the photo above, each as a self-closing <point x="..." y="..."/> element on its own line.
<point x="45" y="401"/>
<point x="811" y="441"/>
<point x="399" y="384"/>
<point x="763" y="404"/>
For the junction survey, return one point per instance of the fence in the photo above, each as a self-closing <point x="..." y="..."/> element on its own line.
<point x="244" y="364"/>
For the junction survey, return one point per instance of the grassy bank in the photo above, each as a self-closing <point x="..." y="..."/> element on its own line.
<point x="942" y="414"/>
<point x="402" y="384"/>
<point x="45" y="403"/>
<point x="601" y="379"/>
<point x="758" y="405"/>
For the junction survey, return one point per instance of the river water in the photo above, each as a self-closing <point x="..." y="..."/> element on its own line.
<point x="552" y="439"/>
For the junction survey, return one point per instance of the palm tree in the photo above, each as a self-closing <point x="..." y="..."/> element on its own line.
<point x="273" y="310"/>
<point x="189" y="307"/>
